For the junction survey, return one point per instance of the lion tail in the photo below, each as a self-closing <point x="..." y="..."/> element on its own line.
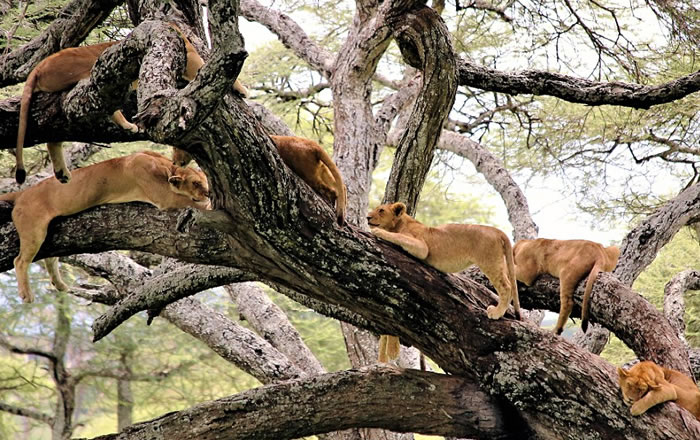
<point x="341" y="201"/>
<point x="587" y="296"/>
<point x="20" y="173"/>
<point x="510" y="266"/>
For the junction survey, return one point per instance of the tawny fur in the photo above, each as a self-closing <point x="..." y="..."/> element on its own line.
<point x="452" y="248"/>
<point x="310" y="162"/>
<point x="568" y="260"/>
<point x="647" y="384"/>
<point x="143" y="177"/>
<point x="63" y="70"/>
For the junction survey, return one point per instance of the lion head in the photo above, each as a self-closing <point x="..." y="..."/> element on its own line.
<point x="386" y="216"/>
<point x="190" y="183"/>
<point x="638" y="380"/>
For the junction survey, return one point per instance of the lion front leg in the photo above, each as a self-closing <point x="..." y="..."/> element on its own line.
<point x="417" y="248"/>
<point x="658" y="394"/>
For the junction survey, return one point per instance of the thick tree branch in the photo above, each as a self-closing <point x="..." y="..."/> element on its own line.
<point x="640" y="246"/>
<point x="448" y="405"/>
<point x="425" y="45"/>
<point x="577" y="90"/>
<point x="674" y="303"/>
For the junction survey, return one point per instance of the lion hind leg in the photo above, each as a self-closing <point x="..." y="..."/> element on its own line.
<point x="51" y="265"/>
<point x="566" y="297"/>
<point x="60" y="169"/>
<point x="389" y="348"/>
<point x="505" y="294"/>
<point x="31" y="239"/>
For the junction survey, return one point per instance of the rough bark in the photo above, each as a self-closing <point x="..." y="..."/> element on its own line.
<point x="640" y="246"/>
<point x="284" y="234"/>
<point x="425" y="45"/>
<point x="674" y="303"/>
<point x="339" y="399"/>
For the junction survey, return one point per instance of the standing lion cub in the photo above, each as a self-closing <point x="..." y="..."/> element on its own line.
<point x="140" y="177"/>
<point x="568" y="260"/>
<point x="450" y="248"/>
<point x="647" y="384"/>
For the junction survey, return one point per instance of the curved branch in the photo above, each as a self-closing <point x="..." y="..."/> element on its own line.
<point x="25" y="412"/>
<point x="290" y="34"/>
<point x="268" y="320"/>
<point x="640" y="246"/>
<point x="160" y="291"/>
<point x="229" y="340"/>
<point x="425" y="44"/>
<point x="431" y="403"/>
<point x="568" y="88"/>
<point x="498" y="177"/>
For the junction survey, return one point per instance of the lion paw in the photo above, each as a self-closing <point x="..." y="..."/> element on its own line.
<point x="636" y="410"/>
<point x="63" y="176"/>
<point x="26" y="296"/>
<point x="132" y="127"/>
<point x="493" y="313"/>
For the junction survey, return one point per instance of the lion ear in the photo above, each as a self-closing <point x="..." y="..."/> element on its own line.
<point x="622" y="372"/>
<point x="175" y="181"/>
<point x="398" y="208"/>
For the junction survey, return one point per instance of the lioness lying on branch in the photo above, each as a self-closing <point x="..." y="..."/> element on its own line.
<point x="140" y="177"/>
<point x="449" y="248"/>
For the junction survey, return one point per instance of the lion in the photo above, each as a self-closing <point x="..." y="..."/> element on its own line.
<point x="310" y="162"/>
<point x="63" y="70"/>
<point x="140" y="177"/>
<point x="568" y="260"/>
<point x="647" y="384"/>
<point x="450" y="248"/>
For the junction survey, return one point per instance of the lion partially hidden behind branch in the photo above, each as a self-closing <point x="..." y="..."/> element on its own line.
<point x="140" y="177"/>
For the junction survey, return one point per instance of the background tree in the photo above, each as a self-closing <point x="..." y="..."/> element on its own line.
<point x="507" y="378"/>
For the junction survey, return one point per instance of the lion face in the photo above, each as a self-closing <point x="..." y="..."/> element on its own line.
<point x="190" y="183"/>
<point x="633" y="386"/>
<point x="386" y="216"/>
